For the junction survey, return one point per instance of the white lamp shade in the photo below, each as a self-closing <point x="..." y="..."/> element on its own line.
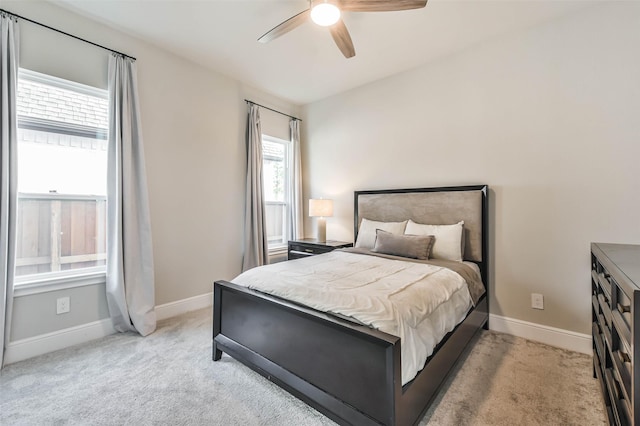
<point x="320" y="208"/>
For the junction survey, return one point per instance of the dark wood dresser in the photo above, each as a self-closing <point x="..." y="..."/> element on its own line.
<point x="615" y="299"/>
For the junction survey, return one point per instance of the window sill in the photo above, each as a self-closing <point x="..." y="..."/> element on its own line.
<point x="278" y="251"/>
<point x="34" y="284"/>
<point x="278" y="254"/>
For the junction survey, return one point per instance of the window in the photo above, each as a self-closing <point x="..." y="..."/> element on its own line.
<point x="62" y="175"/>
<point x="277" y="181"/>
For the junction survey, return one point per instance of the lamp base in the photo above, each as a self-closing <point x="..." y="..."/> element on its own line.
<point x="321" y="230"/>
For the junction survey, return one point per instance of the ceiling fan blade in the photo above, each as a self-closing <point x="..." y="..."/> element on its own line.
<point x="342" y="38"/>
<point x="288" y="25"/>
<point x="380" y="5"/>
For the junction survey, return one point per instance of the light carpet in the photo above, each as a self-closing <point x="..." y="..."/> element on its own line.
<point x="168" y="378"/>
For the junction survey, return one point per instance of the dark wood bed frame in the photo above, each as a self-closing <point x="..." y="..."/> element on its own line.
<point x="349" y="372"/>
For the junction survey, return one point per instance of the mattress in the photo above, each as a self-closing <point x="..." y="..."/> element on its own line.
<point x="416" y="301"/>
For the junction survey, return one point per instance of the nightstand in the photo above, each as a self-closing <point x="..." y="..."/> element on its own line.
<point x="310" y="247"/>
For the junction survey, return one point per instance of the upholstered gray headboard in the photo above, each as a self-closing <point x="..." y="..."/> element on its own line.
<point x="436" y="206"/>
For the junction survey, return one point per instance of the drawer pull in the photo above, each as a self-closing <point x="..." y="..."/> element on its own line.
<point x="624" y="356"/>
<point x="296" y="252"/>
<point x="624" y="308"/>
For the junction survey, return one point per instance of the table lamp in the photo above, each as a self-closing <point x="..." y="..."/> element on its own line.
<point x="321" y="209"/>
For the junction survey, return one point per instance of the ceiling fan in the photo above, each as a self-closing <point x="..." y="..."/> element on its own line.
<point x="327" y="13"/>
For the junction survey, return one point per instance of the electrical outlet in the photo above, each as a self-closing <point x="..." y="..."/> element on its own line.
<point x="537" y="301"/>
<point x="63" y="305"/>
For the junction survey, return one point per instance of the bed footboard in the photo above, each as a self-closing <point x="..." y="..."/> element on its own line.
<point x="325" y="361"/>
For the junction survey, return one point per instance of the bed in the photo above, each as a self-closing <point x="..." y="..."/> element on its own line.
<point x="348" y="371"/>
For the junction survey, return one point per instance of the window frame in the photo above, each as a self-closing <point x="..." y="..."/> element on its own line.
<point x="59" y="280"/>
<point x="286" y="225"/>
<point x="52" y="126"/>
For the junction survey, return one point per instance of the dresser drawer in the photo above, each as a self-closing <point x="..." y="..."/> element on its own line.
<point x="605" y="331"/>
<point x="598" y="341"/>
<point x="622" y="367"/>
<point x="622" y="412"/>
<point x="605" y="284"/>
<point x="606" y="310"/>
<point x="605" y="393"/>
<point x="596" y="304"/>
<point x="623" y="307"/>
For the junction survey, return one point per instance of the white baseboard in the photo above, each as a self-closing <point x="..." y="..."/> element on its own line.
<point x="49" y="342"/>
<point x="44" y="343"/>
<point x="552" y="336"/>
<point x="183" y="306"/>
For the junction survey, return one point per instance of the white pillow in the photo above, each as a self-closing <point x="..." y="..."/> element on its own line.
<point x="367" y="231"/>
<point x="448" y="244"/>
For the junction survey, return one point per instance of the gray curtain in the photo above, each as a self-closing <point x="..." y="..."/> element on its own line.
<point x="8" y="174"/>
<point x="297" y="230"/>
<point x="255" y="238"/>
<point x="130" y="280"/>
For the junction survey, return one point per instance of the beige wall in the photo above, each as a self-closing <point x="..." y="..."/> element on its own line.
<point x="548" y="118"/>
<point x="193" y="126"/>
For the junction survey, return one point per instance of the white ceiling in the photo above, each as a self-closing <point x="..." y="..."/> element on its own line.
<point x="305" y="65"/>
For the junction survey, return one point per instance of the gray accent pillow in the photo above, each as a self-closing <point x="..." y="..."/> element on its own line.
<point x="413" y="246"/>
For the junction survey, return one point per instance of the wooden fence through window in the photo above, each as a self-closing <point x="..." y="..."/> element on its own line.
<point x="58" y="232"/>
<point x="275" y="216"/>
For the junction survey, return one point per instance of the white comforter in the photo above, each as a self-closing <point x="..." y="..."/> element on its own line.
<point x="419" y="303"/>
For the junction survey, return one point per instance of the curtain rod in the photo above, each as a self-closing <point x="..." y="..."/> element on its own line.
<point x="67" y="34"/>
<point x="271" y="109"/>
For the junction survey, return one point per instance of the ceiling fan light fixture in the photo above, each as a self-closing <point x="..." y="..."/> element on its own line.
<point x="325" y="14"/>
